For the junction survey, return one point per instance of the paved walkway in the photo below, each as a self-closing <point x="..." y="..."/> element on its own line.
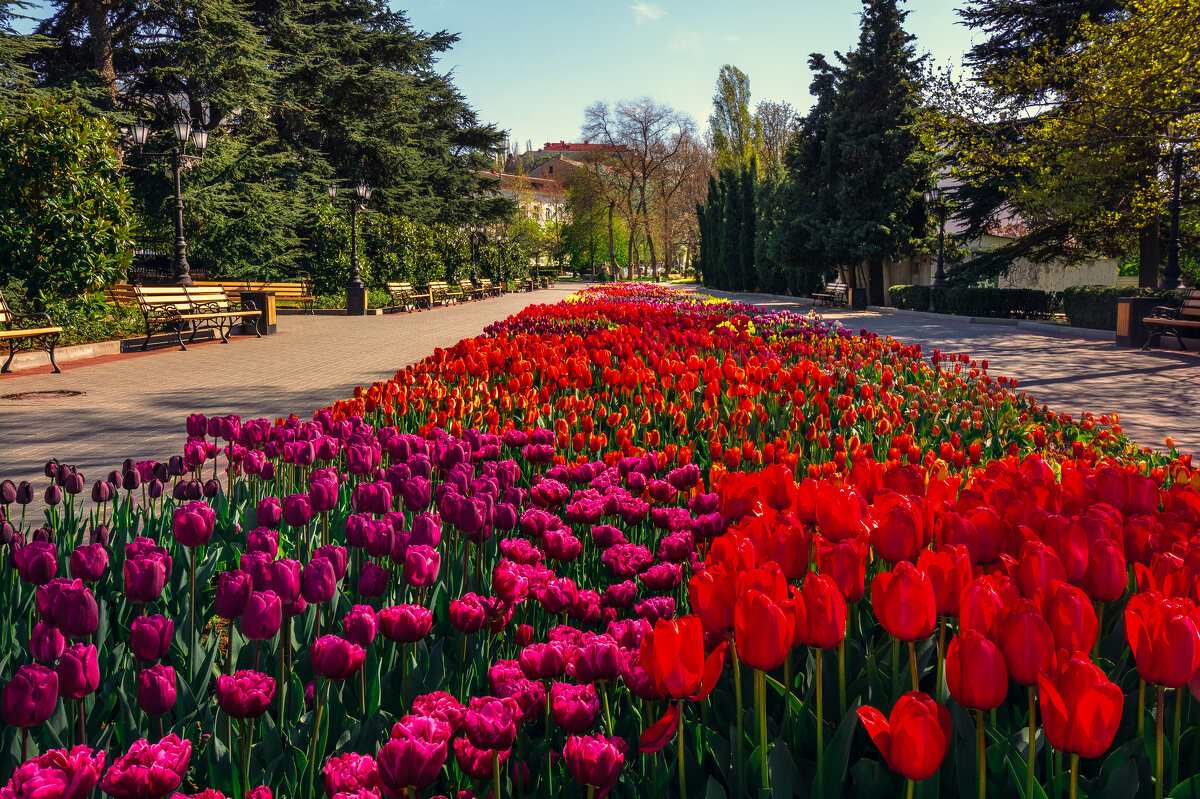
<point x="1156" y="394"/>
<point x="135" y="405"/>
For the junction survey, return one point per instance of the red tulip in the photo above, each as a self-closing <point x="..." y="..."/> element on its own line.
<point x="354" y="775"/>
<point x="839" y="512"/>
<point x="762" y="631"/>
<point x="975" y="671"/>
<point x="1071" y="617"/>
<point x="405" y="624"/>
<point x="914" y="739"/>
<point x="1164" y="638"/>
<point x="1081" y="709"/>
<point x="900" y="532"/>
<point x="1106" y="576"/>
<point x="1026" y="641"/>
<point x="820" y="613"/>
<point x="57" y="774"/>
<point x="846" y="563"/>
<point x="1039" y="566"/>
<point x="904" y="602"/>
<point x="949" y="569"/>
<point x="491" y="723"/>
<point x="712" y="594"/>
<point x="673" y="656"/>
<point x="412" y="757"/>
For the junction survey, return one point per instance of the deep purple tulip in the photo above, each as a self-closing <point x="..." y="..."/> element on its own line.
<point x="491" y="723"/>
<point x="262" y="616"/>
<point x="148" y="771"/>
<point x="36" y="562"/>
<point x="337" y="556"/>
<point x="46" y="643"/>
<point x="245" y="694"/>
<point x="89" y="562"/>
<point x="24" y="493"/>
<point x="30" y="696"/>
<point x="323" y="495"/>
<point x="197" y="425"/>
<point x="193" y="524"/>
<point x="360" y="625"/>
<point x="426" y="530"/>
<point x="156" y="690"/>
<point x="70" y="606"/>
<point x="412" y="758"/>
<point x="373" y="581"/>
<point x="78" y="671"/>
<point x="296" y="510"/>
<point x="145" y="578"/>
<point x="405" y="624"/>
<point x="268" y="513"/>
<point x="318" y="582"/>
<point x="263" y="539"/>
<point x="8" y="492"/>
<point x="336" y="658"/>
<point x="418" y="492"/>
<point x="233" y="592"/>
<point x="150" y="637"/>
<point x="57" y="774"/>
<point x="421" y="566"/>
<point x="283" y="577"/>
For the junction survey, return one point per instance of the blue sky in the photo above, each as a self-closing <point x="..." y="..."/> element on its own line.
<point x="532" y="67"/>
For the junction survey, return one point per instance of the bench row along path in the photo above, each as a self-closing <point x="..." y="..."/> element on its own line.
<point x="135" y="406"/>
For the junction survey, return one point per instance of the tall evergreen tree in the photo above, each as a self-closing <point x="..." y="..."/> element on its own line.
<point x="748" y="277"/>
<point x="731" y="123"/>
<point x="874" y="156"/>
<point x="730" y="267"/>
<point x="16" y="78"/>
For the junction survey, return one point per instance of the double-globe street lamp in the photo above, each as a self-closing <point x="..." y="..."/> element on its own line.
<point x="1172" y="275"/>
<point x="356" y="292"/>
<point x="477" y="235"/>
<point x="183" y="130"/>
<point x="933" y="197"/>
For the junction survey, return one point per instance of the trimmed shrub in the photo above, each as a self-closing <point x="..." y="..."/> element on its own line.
<point x="909" y="298"/>
<point x="1095" y="307"/>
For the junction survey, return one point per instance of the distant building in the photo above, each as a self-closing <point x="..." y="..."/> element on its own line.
<point x="540" y="199"/>
<point x="556" y="168"/>
<point x="575" y="149"/>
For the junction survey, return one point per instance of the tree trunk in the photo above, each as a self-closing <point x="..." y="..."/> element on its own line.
<point x="102" y="45"/>
<point x="1149" y="253"/>
<point x="650" y="243"/>
<point x="612" y="247"/>
<point x="875" y="282"/>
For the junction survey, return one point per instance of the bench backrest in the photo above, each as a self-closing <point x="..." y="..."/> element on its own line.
<point x="6" y="315"/>
<point x="398" y="287"/>
<point x="121" y="294"/>
<point x="486" y="283"/>
<point x="183" y="299"/>
<point x="212" y="298"/>
<point x="1191" y="305"/>
<point x="439" y="285"/>
<point x="283" y="291"/>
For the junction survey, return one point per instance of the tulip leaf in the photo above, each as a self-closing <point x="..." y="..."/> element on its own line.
<point x="1188" y="789"/>
<point x="837" y="752"/>
<point x="871" y="780"/>
<point x="1118" y="776"/>
<point x="781" y="767"/>
<point x="714" y="790"/>
<point x="1016" y="769"/>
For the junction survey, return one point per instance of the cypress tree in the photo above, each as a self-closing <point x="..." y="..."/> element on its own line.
<point x="731" y="232"/>
<point x="749" y="277"/>
<point x="881" y="164"/>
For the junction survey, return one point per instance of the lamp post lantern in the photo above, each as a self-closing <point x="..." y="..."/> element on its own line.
<point x="183" y="130"/>
<point x="476" y="236"/>
<point x="934" y="197"/>
<point x="356" y="292"/>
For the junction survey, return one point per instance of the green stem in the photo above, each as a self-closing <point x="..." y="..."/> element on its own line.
<point x="681" y="761"/>
<point x="980" y="754"/>
<point x="607" y="712"/>
<point x="245" y="757"/>
<point x="842" y="678"/>
<point x="1141" y="720"/>
<point x="912" y="664"/>
<point x="819" y="663"/>
<point x="192" y="614"/>
<point x="1074" y="776"/>
<point x="1175" y="733"/>
<point x="1032" y="740"/>
<point x="937" y="688"/>
<point x="1158" y="743"/>
<point x="737" y="690"/>
<point x="760" y="698"/>
<point x="496" y="771"/>
<point x="909" y="792"/>
<point x="316" y="734"/>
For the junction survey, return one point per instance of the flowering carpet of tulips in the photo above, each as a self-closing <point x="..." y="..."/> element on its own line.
<point x="639" y="543"/>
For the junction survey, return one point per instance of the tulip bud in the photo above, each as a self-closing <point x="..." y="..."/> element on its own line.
<point x="156" y="690"/>
<point x="150" y="637"/>
<point x="78" y="671"/>
<point x="46" y="643"/>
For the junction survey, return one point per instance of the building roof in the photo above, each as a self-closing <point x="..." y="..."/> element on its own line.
<point x="581" y="147"/>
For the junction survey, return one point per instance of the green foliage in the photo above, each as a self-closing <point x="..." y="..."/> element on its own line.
<point x="16" y="78"/>
<point x="909" y="298"/>
<point x="88" y="318"/>
<point x="66" y="222"/>
<point x="1095" y="307"/>
<point x="996" y="303"/>
<point x="731" y="124"/>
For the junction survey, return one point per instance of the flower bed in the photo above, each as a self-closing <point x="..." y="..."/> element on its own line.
<point x="638" y="542"/>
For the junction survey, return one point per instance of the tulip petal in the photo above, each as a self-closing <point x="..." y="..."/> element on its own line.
<point x="713" y="665"/>
<point x="659" y="734"/>
<point x="878" y="728"/>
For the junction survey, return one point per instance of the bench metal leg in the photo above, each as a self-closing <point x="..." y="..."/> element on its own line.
<point x="12" y="353"/>
<point x="53" y="363"/>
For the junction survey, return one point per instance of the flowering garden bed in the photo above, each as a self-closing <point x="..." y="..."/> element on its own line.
<point x="638" y="542"/>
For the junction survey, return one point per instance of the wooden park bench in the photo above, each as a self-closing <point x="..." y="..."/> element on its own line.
<point x="442" y="292"/>
<point x="189" y="308"/>
<point x="470" y="290"/>
<point x="404" y="295"/>
<point x="489" y="288"/>
<point x="1165" y="319"/>
<point x="297" y="293"/>
<point x="121" y="295"/>
<point x="833" y="295"/>
<point x="30" y="331"/>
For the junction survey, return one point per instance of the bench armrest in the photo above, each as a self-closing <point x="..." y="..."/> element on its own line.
<point x="31" y="320"/>
<point x="1165" y="312"/>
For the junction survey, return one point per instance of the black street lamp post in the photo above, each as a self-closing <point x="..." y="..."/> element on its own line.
<point x="1172" y="275"/>
<point x="356" y="292"/>
<point x="934" y="197"/>
<point x="199" y="136"/>
<point x="477" y="236"/>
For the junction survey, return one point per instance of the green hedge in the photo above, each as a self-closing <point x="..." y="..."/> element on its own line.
<point x="985" y="302"/>
<point x="910" y="298"/>
<point x="1095" y="307"/>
